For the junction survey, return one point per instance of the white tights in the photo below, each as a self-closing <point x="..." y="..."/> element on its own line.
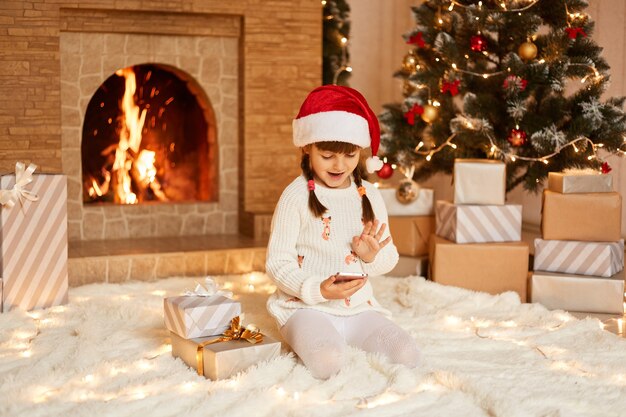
<point x="320" y="339"/>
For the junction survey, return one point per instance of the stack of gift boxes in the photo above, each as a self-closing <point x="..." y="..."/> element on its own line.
<point x="478" y="237"/>
<point x="207" y="333"/>
<point x="410" y="225"/>
<point x="579" y="262"/>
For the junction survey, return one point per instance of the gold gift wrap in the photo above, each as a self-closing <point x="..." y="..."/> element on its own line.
<point x="410" y="234"/>
<point x="223" y="359"/>
<point x="580" y="293"/>
<point x="488" y="267"/>
<point x="479" y="181"/>
<point x="566" y="183"/>
<point x="33" y="236"/>
<point x="589" y="217"/>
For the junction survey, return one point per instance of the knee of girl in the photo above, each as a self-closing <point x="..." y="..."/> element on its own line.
<point x="326" y="363"/>
<point x="407" y="354"/>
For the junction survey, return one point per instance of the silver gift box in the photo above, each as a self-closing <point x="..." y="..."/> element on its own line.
<point x="223" y="359"/>
<point x="576" y="183"/>
<point x="579" y="292"/>
<point x="479" y="181"/>
<point x="196" y="316"/>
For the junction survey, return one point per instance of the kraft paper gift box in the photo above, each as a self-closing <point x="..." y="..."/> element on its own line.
<point x="579" y="182"/>
<point x="478" y="223"/>
<point x="421" y="206"/>
<point x="192" y="316"/>
<point x="589" y="217"/>
<point x="602" y="259"/>
<point x="488" y="267"/>
<point x="579" y="292"/>
<point x="410" y="235"/>
<point x="479" y="181"/>
<point x="33" y="236"/>
<point x="223" y="359"/>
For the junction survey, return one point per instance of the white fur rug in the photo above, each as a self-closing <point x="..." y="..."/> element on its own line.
<point x="107" y="354"/>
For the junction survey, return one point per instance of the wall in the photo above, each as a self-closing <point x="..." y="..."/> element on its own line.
<point x="377" y="50"/>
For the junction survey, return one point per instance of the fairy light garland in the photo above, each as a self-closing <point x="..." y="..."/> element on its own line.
<point x="502" y="5"/>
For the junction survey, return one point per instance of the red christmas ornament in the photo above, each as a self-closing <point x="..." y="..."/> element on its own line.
<point x="606" y="168"/>
<point x="515" y="82"/>
<point x="385" y="172"/>
<point x="416" y="110"/>
<point x="517" y="137"/>
<point x="417" y="39"/>
<point x="573" y="33"/>
<point x="451" y="87"/>
<point x="478" y="43"/>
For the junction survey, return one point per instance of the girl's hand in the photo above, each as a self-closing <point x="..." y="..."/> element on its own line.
<point x="368" y="244"/>
<point x="332" y="290"/>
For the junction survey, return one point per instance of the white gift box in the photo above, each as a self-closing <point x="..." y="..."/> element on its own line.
<point x="421" y="206"/>
<point x="479" y="181"/>
<point x="602" y="259"/>
<point x="579" y="182"/>
<point x="579" y="292"/>
<point x="478" y="223"/>
<point x="197" y="316"/>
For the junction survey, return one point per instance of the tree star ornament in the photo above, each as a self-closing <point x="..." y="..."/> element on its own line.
<point x="478" y="43"/>
<point x="517" y="138"/>
<point x="385" y="172"/>
<point x="527" y="51"/>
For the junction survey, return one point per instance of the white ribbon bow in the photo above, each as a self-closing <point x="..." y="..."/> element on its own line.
<point x="23" y="177"/>
<point x="209" y="289"/>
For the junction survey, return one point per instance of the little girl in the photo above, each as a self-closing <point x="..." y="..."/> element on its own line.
<point x="330" y="220"/>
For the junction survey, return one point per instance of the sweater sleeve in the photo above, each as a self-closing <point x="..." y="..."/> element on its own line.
<point x="388" y="257"/>
<point x="282" y="257"/>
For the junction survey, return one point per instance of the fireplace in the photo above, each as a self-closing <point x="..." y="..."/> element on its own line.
<point x="149" y="135"/>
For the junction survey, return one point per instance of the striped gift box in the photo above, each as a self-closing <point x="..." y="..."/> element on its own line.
<point x="196" y="316"/>
<point x="600" y="259"/>
<point x="478" y="224"/>
<point x="34" y="245"/>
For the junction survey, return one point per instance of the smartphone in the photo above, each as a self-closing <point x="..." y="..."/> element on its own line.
<point x="349" y="276"/>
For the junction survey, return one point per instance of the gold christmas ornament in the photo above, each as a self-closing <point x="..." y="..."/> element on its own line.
<point x="408" y="191"/>
<point x="527" y="51"/>
<point x="409" y="64"/>
<point x="430" y="113"/>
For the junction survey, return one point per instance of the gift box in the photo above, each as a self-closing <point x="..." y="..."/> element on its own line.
<point x="579" y="292"/>
<point x="488" y="267"/>
<point x="410" y="234"/>
<point x="602" y="259"/>
<point x="478" y="223"/>
<point x="580" y="182"/>
<point x="33" y="235"/>
<point x="479" y="181"/>
<point x="590" y="217"/>
<point x="421" y="206"/>
<point x="410" y="266"/>
<point x="192" y="316"/>
<point x="223" y="359"/>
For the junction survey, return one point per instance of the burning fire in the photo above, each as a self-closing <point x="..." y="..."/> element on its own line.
<point x="130" y="166"/>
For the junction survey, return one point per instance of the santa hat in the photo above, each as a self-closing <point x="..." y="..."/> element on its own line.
<point x="336" y="113"/>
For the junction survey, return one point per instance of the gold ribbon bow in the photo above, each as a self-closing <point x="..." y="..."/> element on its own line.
<point x="250" y="333"/>
<point x="23" y="177"/>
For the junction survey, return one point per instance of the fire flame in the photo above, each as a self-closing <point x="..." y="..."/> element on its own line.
<point x="130" y="166"/>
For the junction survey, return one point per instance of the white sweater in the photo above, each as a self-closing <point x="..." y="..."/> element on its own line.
<point x="304" y="250"/>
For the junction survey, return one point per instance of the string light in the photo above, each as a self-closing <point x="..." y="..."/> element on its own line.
<point x="502" y="4"/>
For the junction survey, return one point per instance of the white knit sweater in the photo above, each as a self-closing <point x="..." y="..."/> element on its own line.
<point x="304" y="250"/>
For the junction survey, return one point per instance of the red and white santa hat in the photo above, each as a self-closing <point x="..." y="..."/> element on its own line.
<point x="337" y="113"/>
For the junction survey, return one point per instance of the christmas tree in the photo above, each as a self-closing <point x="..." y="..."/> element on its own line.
<point x="516" y="80"/>
<point x="336" y="67"/>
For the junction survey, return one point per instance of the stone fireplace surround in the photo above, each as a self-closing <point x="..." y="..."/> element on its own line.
<point x="276" y="48"/>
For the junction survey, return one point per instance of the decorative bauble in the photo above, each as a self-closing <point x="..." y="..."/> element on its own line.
<point x="408" y="191"/>
<point x="385" y="172"/>
<point x="409" y="64"/>
<point x="527" y="51"/>
<point x="478" y="43"/>
<point x="517" y="137"/>
<point x="430" y="113"/>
